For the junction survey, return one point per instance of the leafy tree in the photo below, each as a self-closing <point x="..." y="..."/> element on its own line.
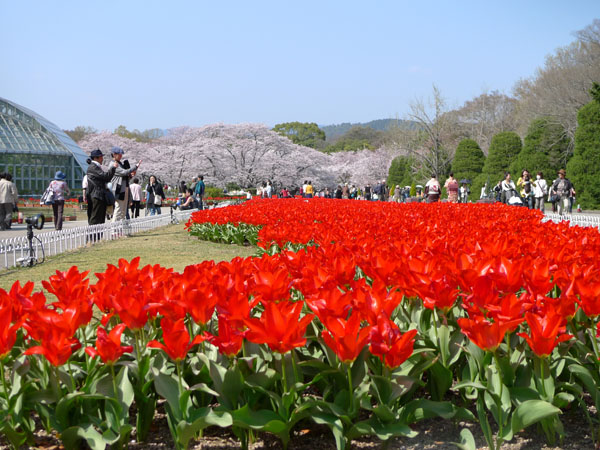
<point x="306" y="134"/>
<point x="357" y="138"/>
<point x="413" y="189"/>
<point x="468" y="160"/>
<point x="400" y="172"/>
<point x="79" y="132"/>
<point x="137" y="135"/>
<point x="545" y="144"/>
<point x="504" y="148"/>
<point x="584" y="168"/>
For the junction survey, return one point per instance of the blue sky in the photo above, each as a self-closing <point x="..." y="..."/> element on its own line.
<point x="158" y="64"/>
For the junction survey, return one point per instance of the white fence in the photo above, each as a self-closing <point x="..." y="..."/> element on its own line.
<point x="582" y="220"/>
<point x="16" y="251"/>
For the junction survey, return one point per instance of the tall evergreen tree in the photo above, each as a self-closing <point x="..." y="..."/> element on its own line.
<point x="468" y="160"/>
<point x="503" y="150"/>
<point x="584" y="168"/>
<point x="400" y="172"/>
<point x="545" y="145"/>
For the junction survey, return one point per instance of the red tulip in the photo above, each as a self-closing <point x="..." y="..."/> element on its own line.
<point x="108" y="346"/>
<point x="483" y="333"/>
<point x="391" y="345"/>
<point x="56" y="346"/>
<point x="8" y="329"/>
<point x="345" y="337"/>
<point x="546" y="332"/>
<point x="279" y="326"/>
<point x="230" y="338"/>
<point x="176" y="339"/>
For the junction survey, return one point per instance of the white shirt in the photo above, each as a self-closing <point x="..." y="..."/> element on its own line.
<point x="540" y="188"/>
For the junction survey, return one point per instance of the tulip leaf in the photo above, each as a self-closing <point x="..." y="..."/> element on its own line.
<point x="467" y="441"/>
<point x="334" y="424"/>
<point x="384" y="431"/>
<point x="530" y="412"/>
<point x="125" y="388"/>
<point x="168" y="388"/>
<point x="198" y="420"/>
<point x="440" y="381"/>
<point x="522" y="394"/>
<point x="563" y="399"/>
<point x="72" y="435"/>
<point x="484" y="423"/>
<point x="468" y="384"/>
<point x="16" y="438"/>
<point x="263" y="420"/>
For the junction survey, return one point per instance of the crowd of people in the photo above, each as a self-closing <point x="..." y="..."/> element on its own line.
<point x="114" y="191"/>
<point x="533" y="193"/>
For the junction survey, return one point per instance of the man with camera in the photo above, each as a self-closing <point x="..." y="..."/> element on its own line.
<point x="120" y="183"/>
<point x="97" y="178"/>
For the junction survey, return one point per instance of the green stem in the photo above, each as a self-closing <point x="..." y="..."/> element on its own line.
<point x="179" y="380"/>
<point x="499" y="403"/>
<point x="437" y="337"/>
<point x="73" y="388"/>
<point x="4" y="386"/>
<point x="283" y="372"/>
<point x="509" y="350"/>
<point x="350" y="385"/>
<point x="543" y="386"/>
<point x="594" y="342"/>
<point x="114" y="381"/>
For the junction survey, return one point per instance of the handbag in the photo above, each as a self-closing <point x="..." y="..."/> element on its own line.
<point x="47" y="197"/>
<point x="157" y="198"/>
<point x="109" y="198"/>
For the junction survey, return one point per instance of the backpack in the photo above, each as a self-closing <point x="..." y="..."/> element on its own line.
<point x="434" y="189"/>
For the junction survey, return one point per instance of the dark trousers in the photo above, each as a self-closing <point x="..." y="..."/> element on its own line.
<point x="6" y="210"/>
<point x="135" y="209"/>
<point x="97" y="216"/>
<point x="58" y="208"/>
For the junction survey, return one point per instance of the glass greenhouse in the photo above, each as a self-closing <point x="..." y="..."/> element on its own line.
<point x="32" y="149"/>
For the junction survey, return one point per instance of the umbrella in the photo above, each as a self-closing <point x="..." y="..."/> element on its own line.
<point x="465" y="181"/>
<point x="418" y="186"/>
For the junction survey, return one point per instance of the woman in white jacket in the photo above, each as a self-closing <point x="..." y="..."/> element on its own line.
<point x="540" y="190"/>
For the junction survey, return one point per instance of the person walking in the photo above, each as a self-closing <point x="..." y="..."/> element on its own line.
<point x="97" y="178"/>
<point x="136" y="197"/>
<point x="309" y="190"/>
<point x="451" y="186"/>
<point x="562" y="188"/>
<point x="120" y="183"/>
<point x="526" y="186"/>
<point x="508" y="188"/>
<point x="433" y="189"/>
<point x="540" y="190"/>
<point x="154" y="196"/>
<point x="199" y="191"/>
<point x="8" y="199"/>
<point x="60" y="188"/>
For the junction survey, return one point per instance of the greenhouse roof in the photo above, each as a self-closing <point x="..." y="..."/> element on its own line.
<point x="25" y="131"/>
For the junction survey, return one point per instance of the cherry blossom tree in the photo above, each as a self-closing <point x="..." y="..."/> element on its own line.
<point x="244" y="154"/>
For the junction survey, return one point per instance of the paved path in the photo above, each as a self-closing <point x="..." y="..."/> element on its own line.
<point x="20" y="229"/>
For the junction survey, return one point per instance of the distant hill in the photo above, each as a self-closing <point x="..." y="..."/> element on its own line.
<point x="333" y="132"/>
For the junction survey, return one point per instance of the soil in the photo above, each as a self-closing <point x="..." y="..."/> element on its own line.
<point x="433" y="434"/>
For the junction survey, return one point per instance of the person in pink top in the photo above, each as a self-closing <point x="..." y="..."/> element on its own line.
<point x="61" y="189"/>
<point x="451" y="186"/>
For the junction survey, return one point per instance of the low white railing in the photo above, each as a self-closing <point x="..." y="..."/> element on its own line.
<point x="15" y="251"/>
<point x="582" y="220"/>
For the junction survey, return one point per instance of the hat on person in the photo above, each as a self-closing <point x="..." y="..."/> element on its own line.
<point x="96" y="153"/>
<point x="59" y="175"/>
<point x="562" y="172"/>
<point x="116" y="151"/>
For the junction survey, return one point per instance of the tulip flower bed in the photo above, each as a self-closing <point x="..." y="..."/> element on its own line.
<point x="365" y="317"/>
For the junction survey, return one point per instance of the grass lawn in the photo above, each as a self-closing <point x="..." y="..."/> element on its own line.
<point x="169" y="246"/>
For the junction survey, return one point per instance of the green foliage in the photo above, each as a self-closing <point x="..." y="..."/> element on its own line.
<point x="584" y="168"/>
<point x="357" y="138"/>
<point x="137" y="135"/>
<point x="400" y="172"/>
<point x="545" y="148"/>
<point x="468" y="160"/>
<point x="228" y="233"/>
<point x="413" y="189"/>
<point x="307" y="134"/>
<point x="503" y="150"/>
<point x="79" y="132"/>
<point x="212" y="192"/>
